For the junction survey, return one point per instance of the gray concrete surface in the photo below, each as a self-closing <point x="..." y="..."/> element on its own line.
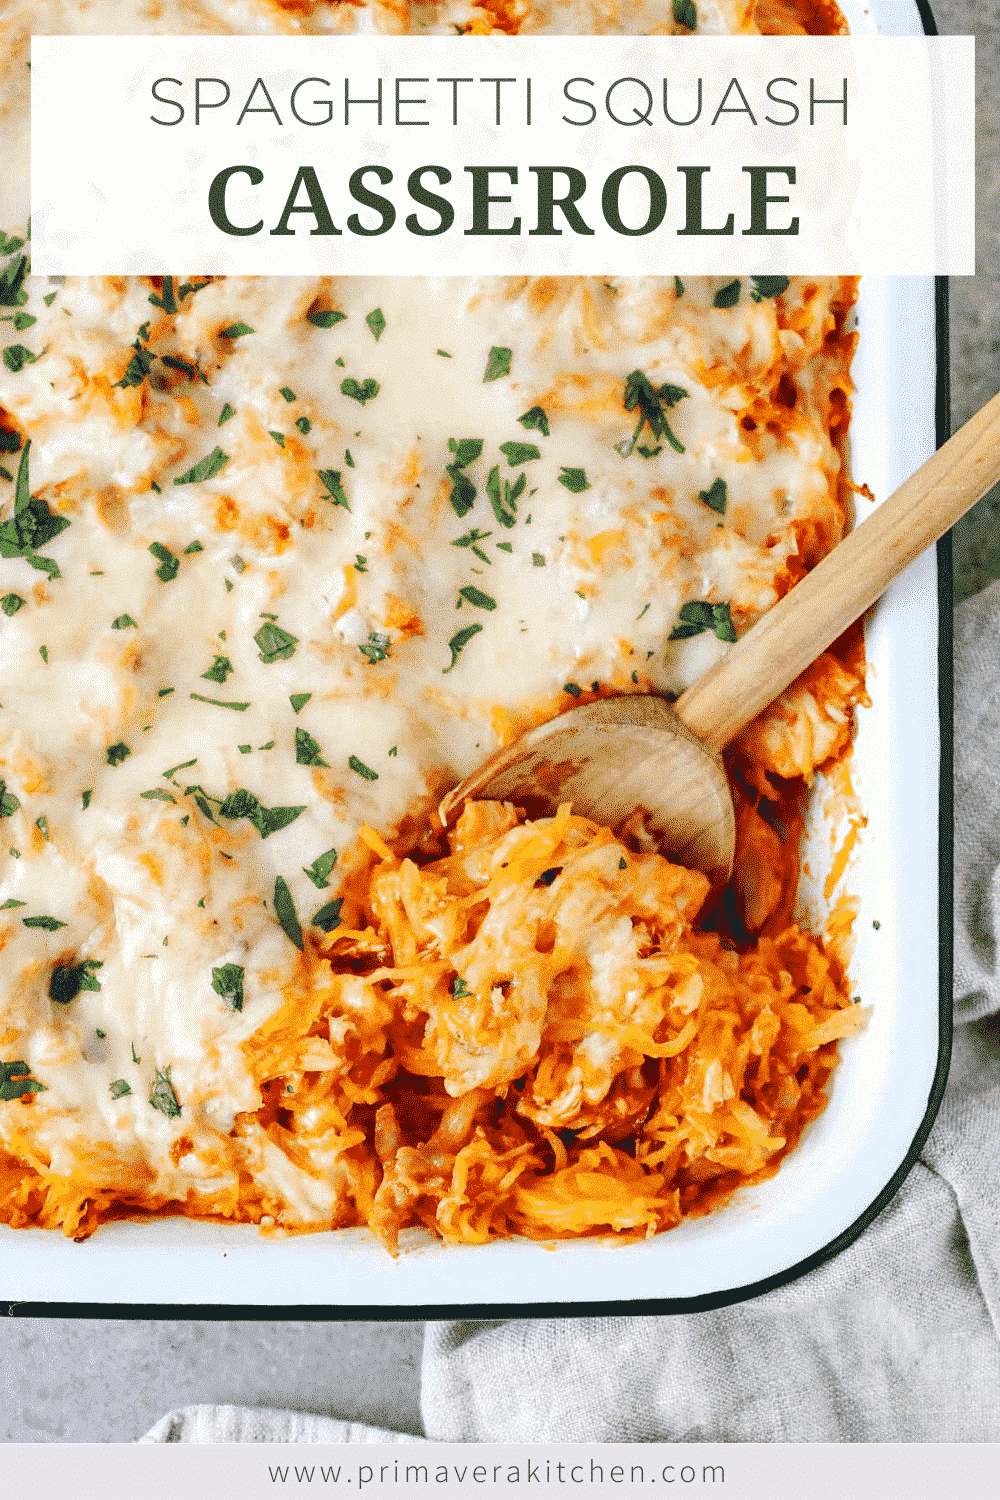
<point x="108" y="1381"/>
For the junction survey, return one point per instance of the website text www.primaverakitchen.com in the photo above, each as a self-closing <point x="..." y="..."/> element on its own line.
<point x="526" y="1472"/>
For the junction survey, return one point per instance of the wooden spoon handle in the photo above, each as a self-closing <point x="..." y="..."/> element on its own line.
<point x="801" y="625"/>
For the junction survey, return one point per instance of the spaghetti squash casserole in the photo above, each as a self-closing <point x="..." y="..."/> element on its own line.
<point x="281" y="560"/>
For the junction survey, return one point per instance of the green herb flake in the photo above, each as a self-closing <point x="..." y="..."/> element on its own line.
<point x="193" y="547"/>
<point x="11" y="603"/>
<point x="320" y="869"/>
<point x="47" y="924"/>
<point x="575" y="480"/>
<point x="284" y="910"/>
<point x="235" y="331"/>
<point x="138" y="366"/>
<point x="307" y="750"/>
<point x="85" y="798"/>
<point x="360" y="562"/>
<point x="376" y="322"/>
<point x="49" y="298"/>
<point x="227" y="981"/>
<point x="274" y="643"/>
<point x="767" y="286"/>
<point x="444" y="354"/>
<point x="16" y="356"/>
<point x="162" y="1095"/>
<point x="117" y="753"/>
<point x="328" y="916"/>
<point x="226" y="414"/>
<point x="8" y="802"/>
<point x="358" y="766"/>
<point x="157" y="794"/>
<point x="169" y="564"/>
<point x="376" y="648"/>
<point x="123" y="622"/>
<point x="497" y="365"/>
<point x="304" y="425"/>
<point x="466" y="450"/>
<point x="572" y="688"/>
<point x="504" y="546"/>
<point x="678" y="287"/>
<point x="266" y="820"/>
<point x="538" y="560"/>
<point x="534" y="419"/>
<point x="299" y="701"/>
<point x="15" y="1082"/>
<point x="10" y="904"/>
<point x="360" y="391"/>
<point x="698" y="616"/>
<point x="716" y="496"/>
<point x="476" y="597"/>
<point x="206" y="468"/>
<point x="279" y="438"/>
<point x="519" y="453"/>
<point x="42" y="824"/>
<point x="503" y="497"/>
<point x="239" y="708"/>
<point x="69" y="979"/>
<point x="220" y="669"/>
<point x="118" y="1088"/>
<point x="686" y="14"/>
<point x="728" y="295"/>
<point x="326" y="319"/>
<point x="166" y="299"/>
<point x="330" y="480"/>
<point x="458" y="643"/>
<point x="641" y="393"/>
<point x="288" y="393"/>
<point x="348" y="460"/>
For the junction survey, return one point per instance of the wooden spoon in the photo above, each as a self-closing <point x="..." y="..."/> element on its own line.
<point x="637" y="762"/>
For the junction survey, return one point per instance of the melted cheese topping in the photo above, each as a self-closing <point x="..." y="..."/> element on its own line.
<point x="322" y="557"/>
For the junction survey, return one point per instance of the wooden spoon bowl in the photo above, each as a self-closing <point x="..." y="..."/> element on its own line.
<point x="643" y="766"/>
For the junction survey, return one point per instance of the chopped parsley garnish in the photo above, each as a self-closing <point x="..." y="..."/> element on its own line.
<point x="11" y="902"/>
<point x="287" y="392"/>
<point x="503" y="497"/>
<point x="184" y="365"/>
<point x="117" y="753"/>
<point x="166" y="299"/>
<point x="162" y="1095"/>
<point x="348" y="460"/>
<point x="12" y="293"/>
<point x="767" y="286"/>
<point x="219" y="670"/>
<point x="244" y="749"/>
<point x="135" y="1059"/>
<point x="504" y="546"/>
<point x="69" y="979"/>
<point x="307" y="750"/>
<point x="32" y="525"/>
<point x="326" y="319"/>
<point x="476" y="596"/>
<point x="274" y="643"/>
<point x="376" y="648"/>
<point x="519" y="453"/>
<point x="138" y="366"/>
<point x="42" y="824"/>
<point x="183" y="766"/>
<point x="360" y="391"/>
<point x="193" y="547"/>
<point x="466" y="450"/>
<point x="15" y="1082"/>
<point x="444" y="354"/>
<point x="279" y="438"/>
<point x="572" y="688"/>
<point x="575" y="480"/>
<point x="266" y="820"/>
<point x="123" y="622"/>
<point x="728" y="295"/>
<point x="360" y="563"/>
<point x="686" y="14"/>
<point x="118" y="1088"/>
<point x="304" y="425"/>
<point x="226" y="414"/>
<point x="205" y="468"/>
<point x="235" y="331"/>
<point x="320" y="869"/>
<point x="458" y="643"/>
<point x="16" y="356"/>
<point x="43" y="652"/>
<point x="11" y="603"/>
<point x="227" y="981"/>
<point x="538" y="560"/>
<point x="463" y="491"/>
<point x="471" y="538"/>
<point x="698" y="616"/>
<point x="361" y="769"/>
<point x="328" y="916"/>
<point x="535" y="419"/>
<point x="716" y="496"/>
<point x="299" y="701"/>
<point x="157" y="794"/>
<point x="497" y="365"/>
<point x="85" y="797"/>
<point x="284" y="910"/>
<point x="8" y="802"/>
<point x="169" y="564"/>
<point x="641" y="393"/>
<point x="330" y="479"/>
<point x="239" y="708"/>
<point x="376" y="322"/>
<point x="678" y="287"/>
<point x="47" y="924"/>
<point x="393" y="750"/>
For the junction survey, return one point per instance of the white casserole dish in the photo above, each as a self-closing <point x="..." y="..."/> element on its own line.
<point x="884" y="1094"/>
